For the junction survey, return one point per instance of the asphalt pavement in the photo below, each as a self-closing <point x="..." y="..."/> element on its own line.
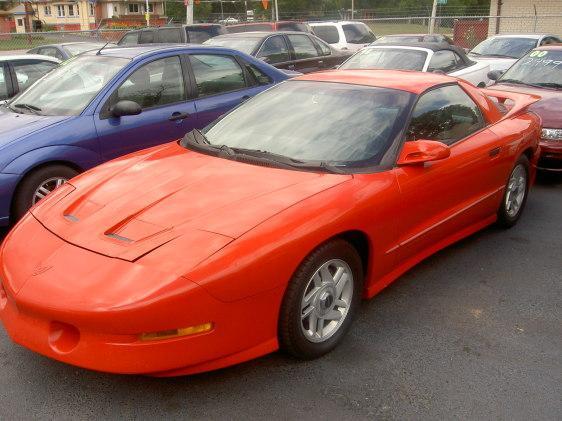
<point x="473" y="332"/>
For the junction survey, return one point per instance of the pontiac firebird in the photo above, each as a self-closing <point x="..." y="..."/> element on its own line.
<point x="264" y="231"/>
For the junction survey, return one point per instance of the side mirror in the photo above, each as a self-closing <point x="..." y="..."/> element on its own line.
<point x="124" y="107"/>
<point x="420" y="151"/>
<point x="495" y="74"/>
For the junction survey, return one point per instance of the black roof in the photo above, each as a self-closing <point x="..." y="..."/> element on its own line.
<point x="260" y="34"/>
<point x="433" y="46"/>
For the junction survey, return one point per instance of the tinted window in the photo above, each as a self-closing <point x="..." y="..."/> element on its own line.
<point x="274" y="50"/>
<point x="3" y="84"/>
<point x="303" y="46"/>
<point x="157" y="83"/>
<point x="171" y="35"/>
<point x="505" y="47"/>
<point x="216" y="74"/>
<point x="325" y="48"/>
<point x="130" y="39"/>
<point x="251" y="27"/>
<point x="539" y="67"/>
<point x="51" y="52"/>
<point x="445" y="114"/>
<point x="200" y="34"/>
<point x="260" y="77"/>
<point x="146" y="37"/>
<point x="443" y="60"/>
<point x="292" y="26"/>
<point x="27" y="72"/>
<point x="246" y="45"/>
<point x="386" y="58"/>
<point x="328" y="33"/>
<point x="358" y="33"/>
<point x="353" y="125"/>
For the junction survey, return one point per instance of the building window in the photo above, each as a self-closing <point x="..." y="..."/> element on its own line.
<point x="61" y="13"/>
<point x="20" y="22"/>
<point x="92" y="9"/>
<point x="114" y="9"/>
<point x="47" y="10"/>
<point x="150" y="8"/>
<point x="71" y="10"/>
<point x="133" y="8"/>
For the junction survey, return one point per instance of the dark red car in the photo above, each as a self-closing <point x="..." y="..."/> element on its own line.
<point x="539" y="72"/>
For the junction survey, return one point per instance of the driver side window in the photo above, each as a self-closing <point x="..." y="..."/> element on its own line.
<point x="157" y="83"/>
<point x="445" y="114"/>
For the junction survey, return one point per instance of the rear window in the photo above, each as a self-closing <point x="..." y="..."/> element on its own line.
<point x="251" y="27"/>
<point x="328" y="33"/>
<point x="171" y="35"/>
<point x="358" y="33"/>
<point x="129" y="39"/>
<point x="200" y="34"/>
<point x="146" y="37"/>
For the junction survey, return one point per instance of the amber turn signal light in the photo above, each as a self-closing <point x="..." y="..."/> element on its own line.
<point x="175" y="333"/>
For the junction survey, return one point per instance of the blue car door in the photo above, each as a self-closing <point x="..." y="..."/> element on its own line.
<point x="162" y="88"/>
<point x="222" y="82"/>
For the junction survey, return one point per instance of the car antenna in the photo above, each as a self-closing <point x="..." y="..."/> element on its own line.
<point x="99" y="51"/>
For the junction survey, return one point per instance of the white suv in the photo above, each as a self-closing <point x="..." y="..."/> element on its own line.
<point x="344" y="35"/>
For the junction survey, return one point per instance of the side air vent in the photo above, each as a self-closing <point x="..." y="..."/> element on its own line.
<point x="119" y="238"/>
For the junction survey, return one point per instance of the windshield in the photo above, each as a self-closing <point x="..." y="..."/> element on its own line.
<point x="358" y="33"/>
<point x="69" y="88"/>
<point x="353" y="125"/>
<point x="386" y="58"/>
<point x="540" y="67"/>
<point x="246" y="45"/>
<point x="75" y="49"/>
<point x="504" y="47"/>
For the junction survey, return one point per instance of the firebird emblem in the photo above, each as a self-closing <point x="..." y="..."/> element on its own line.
<point x="40" y="269"/>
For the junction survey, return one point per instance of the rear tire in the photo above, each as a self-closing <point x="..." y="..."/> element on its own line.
<point x="38" y="184"/>
<point x="321" y="300"/>
<point x="515" y="195"/>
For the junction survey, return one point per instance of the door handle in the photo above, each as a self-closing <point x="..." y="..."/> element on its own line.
<point x="178" y="116"/>
<point x="245" y="98"/>
<point x="291" y="66"/>
<point x="320" y="62"/>
<point x="494" y="152"/>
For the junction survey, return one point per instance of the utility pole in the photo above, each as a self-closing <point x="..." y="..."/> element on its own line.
<point x="276" y="10"/>
<point x="352" y="9"/>
<point x="147" y="14"/>
<point x="432" y="18"/>
<point x="188" y="11"/>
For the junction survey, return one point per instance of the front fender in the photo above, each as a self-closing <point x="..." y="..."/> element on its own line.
<point x="80" y="157"/>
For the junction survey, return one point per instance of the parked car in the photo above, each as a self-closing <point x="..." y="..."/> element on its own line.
<point x="282" y="25"/>
<point x="297" y="51"/>
<point x="67" y="50"/>
<point x="540" y="73"/>
<point x="501" y="51"/>
<point x="423" y="57"/>
<point x="194" y="34"/>
<point x="19" y="72"/>
<point x="413" y="38"/>
<point x="97" y="107"/>
<point x="265" y="230"/>
<point x="344" y="35"/>
<point x="229" y="21"/>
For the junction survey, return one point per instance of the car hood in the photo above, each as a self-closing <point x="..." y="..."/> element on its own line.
<point x="129" y="207"/>
<point x="495" y="63"/>
<point x="548" y="108"/>
<point x="14" y="126"/>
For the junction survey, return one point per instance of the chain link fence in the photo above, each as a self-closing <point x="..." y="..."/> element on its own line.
<point x="20" y="42"/>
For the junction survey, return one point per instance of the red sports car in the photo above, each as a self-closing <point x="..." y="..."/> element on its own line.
<point x="266" y="229"/>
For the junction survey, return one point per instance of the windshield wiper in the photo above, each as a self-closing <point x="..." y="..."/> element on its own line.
<point x="549" y="85"/>
<point x="29" y="107"/>
<point x="198" y="138"/>
<point x="520" y="82"/>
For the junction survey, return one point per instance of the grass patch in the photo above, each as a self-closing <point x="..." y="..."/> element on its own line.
<point x="401" y="27"/>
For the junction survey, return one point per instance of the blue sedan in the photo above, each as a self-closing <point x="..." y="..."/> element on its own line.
<point x="104" y="104"/>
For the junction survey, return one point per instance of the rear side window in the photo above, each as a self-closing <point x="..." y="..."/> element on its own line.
<point x="328" y="33"/>
<point x="358" y="33"/>
<point x="443" y="60"/>
<point x="28" y="71"/>
<point x="130" y="39"/>
<point x="260" y="77"/>
<point x="303" y="47"/>
<point x="51" y="52"/>
<point x="216" y="74"/>
<point x="325" y="48"/>
<point x="3" y="83"/>
<point x="274" y="50"/>
<point x="169" y="35"/>
<point x="445" y="114"/>
<point x="146" y="37"/>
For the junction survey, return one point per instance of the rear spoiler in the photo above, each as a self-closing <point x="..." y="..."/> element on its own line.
<point x="520" y="101"/>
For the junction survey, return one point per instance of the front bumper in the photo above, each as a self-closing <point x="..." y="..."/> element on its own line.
<point x="551" y="156"/>
<point x="40" y="311"/>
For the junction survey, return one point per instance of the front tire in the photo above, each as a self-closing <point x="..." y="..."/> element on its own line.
<point x="515" y="195"/>
<point x="321" y="300"/>
<point x="39" y="184"/>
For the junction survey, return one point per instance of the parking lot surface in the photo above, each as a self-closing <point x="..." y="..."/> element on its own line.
<point x="474" y="332"/>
